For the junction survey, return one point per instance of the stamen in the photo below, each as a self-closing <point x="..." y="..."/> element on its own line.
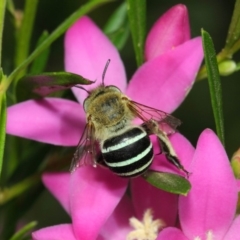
<point x="197" y="238"/>
<point x="209" y="236"/>
<point x="148" y="229"/>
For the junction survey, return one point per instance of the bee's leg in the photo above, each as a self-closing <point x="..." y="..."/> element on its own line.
<point x="166" y="147"/>
<point x="169" y="152"/>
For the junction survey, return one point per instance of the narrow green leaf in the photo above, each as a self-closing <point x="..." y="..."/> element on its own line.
<point x="3" y="117"/>
<point x="40" y="62"/>
<point x="46" y="83"/>
<point x="137" y="19"/>
<point x="24" y="34"/>
<point x="117" y="19"/>
<point x="89" y="6"/>
<point x="119" y="38"/>
<point x="168" y="182"/>
<point x="20" y="235"/>
<point x="117" y="28"/>
<point x="234" y="28"/>
<point x="19" y="188"/>
<point x="10" y="7"/>
<point x="2" y="14"/>
<point x="214" y="83"/>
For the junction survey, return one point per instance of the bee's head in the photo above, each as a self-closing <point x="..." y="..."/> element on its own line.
<point x="98" y="91"/>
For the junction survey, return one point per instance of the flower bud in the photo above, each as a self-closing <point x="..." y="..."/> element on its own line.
<point x="235" y="163"/>
<point x="169" y="31"/>
<point x="227" y="67"/>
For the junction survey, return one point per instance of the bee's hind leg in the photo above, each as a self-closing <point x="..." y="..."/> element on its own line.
<point x="166" y="147"/>
<point x="169" y="152"/>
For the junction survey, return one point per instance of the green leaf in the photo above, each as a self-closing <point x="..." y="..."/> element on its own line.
<point x="117" y="28"/>
<point x="89" y="6"/>
<point x="137" y="20"/>
<point x="117" y="19"/>
<point x="119" y="38"/>
<point x="20" y="235"/>
<point x="19" y="188"/>
<point x="40" y="62"/>
<point x="3" y="117"/>
<point x="234" y="29"/>
<point x="214" y="83"/>
<point x="168" y="182"/>
<point x="46" y="83"/>
<point x="10" y="7"/>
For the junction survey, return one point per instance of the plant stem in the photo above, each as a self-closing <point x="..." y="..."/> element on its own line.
<point x="25" y="31"/>
<point x="3" y="117"/>
<point x="52" y="37"/>
<point x="2" y="14"/>
<point x="137" y="20"/>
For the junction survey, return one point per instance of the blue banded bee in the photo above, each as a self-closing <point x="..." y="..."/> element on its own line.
<point x="125" y="147"/>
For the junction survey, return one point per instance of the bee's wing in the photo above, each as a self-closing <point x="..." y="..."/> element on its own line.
<point x="167" y="123"/>
<point x="85" y="153"/>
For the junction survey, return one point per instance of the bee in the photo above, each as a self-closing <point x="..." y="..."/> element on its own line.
<point x="126" y="148"/>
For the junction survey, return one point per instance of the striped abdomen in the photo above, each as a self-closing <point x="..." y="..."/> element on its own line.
<point x="129" y="154"/>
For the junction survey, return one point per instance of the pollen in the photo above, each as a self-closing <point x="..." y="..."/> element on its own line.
<point x="147" y="229"/>
<point x="209" y="236"/>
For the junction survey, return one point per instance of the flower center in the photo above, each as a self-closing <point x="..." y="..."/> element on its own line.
<point x="147" y="229"/>
<point x="209" y="236"/>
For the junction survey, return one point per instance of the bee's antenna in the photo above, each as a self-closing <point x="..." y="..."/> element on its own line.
<point x="82" y="89"/>
<point x="105" y="70"/>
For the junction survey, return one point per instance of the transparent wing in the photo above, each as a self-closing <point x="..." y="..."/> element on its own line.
<point x="85" y="153"/>
<point x="161" y="124"/>
<point x="167" y="123"/>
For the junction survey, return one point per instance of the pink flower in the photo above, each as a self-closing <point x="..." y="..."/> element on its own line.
<point x="208" y="212"/>
<point x="91" y="197"/>
<point x="162" y="82"/>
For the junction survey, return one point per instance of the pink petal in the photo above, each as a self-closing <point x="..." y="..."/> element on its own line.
<point x="170" y="30"/>
<point x="117" y="226"/>
<point x="171" y="233"/>
<point x="211" y="203"/>
<point x="58" y="232"/>
<point x="238" y="184"/>
<point x="184" y="151"/>
<point x="164" y="82"/>
<point x="87" y="50"/>
<point x="233" y="232"/>
<point x="58" y="185"/>
<point x="49" y="120"/>
<point x="95" y="192"/>
<point x="163" y="204"/>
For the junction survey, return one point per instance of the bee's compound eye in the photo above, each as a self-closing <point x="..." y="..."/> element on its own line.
<point x="114" y="88"/>
<point x="86" y="103"/>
